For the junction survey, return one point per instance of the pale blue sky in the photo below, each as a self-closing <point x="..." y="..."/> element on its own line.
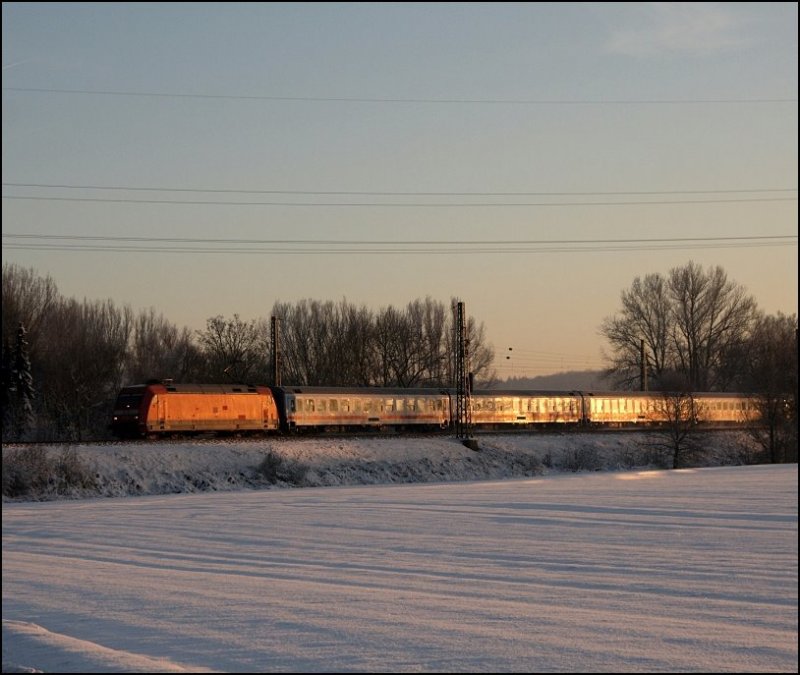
<point x="580" y="109"/>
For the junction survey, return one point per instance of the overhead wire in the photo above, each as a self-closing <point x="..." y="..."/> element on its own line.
<point x="129" y="244"/>
<point x="394" y="204"/>
<point x="390" y="193"/>
<point x="364" y="99"/>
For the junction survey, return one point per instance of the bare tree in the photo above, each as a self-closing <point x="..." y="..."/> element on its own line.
<point x="481" y="352"/>
<point x="691" y="323"/>
<point x="234" y="350"/>
<point x="769" y="367"/>
<point x="710" y="316"/>
<point x="352" y="341"/>
<point x="389" y="337"/>
<point x="341" y="344"/>
<point x="160" y="350"/>
<point x="645" y="317"/>
<point x="84" y="366"/>
<point x="417" y="343"/>
<point x="27" y="298"/>
<point x="307" y="333"/>
<point x="676" y="437"/>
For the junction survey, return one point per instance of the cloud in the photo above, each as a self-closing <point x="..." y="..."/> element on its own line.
<point x="680" y="28"/>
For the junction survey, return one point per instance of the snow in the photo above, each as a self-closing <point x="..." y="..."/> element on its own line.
<point x="404" y="556"/>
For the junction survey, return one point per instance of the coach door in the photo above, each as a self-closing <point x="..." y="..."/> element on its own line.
<point x="161" y="416"/>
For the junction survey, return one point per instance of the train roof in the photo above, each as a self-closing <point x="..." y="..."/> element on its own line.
<point x="524" y="392"/>
<point x="630" y="394"/>
<point x="228" y="388"/>
<point x="363" y="391"/>
<point x="242" y="387"/>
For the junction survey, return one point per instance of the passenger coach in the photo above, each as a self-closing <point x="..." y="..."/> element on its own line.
<point x="500" y="408"/>
<point x="359" y="408"/>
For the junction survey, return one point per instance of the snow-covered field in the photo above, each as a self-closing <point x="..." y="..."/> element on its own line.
<point x="498" y="560"/>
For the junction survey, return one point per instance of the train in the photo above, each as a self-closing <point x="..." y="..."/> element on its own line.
<point x="164" y="408"/>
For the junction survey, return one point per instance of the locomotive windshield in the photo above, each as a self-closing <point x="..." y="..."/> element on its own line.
<point x="127" y="401"/>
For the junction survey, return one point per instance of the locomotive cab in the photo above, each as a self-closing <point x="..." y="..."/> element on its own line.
<point x="127" y="420"/>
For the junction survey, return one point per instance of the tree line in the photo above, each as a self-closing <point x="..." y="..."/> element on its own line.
<point x="64" y="360"/>
<point x="695" y="330"/>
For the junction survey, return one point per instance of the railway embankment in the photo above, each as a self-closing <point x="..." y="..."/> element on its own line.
<point x="79" y="471"/>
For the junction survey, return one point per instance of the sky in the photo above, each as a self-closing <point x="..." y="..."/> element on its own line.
<point x="612" y="571"/>
<point x="530" y="159"/>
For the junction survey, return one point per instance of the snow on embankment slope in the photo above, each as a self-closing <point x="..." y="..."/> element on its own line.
<point x="125" y="469"/>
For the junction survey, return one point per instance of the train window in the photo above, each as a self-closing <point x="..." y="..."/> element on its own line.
<point x="389" y="405"/>
<point x="293" y="405"/>
<point x="309" y="405"/>
<point x="334" y="405"/>
<point x="128" y="401"/>
<point x="367" y="405"/>
<point x="399" y="405"/>
<point x="321" y="405"/>
<point x="345" y="405"/>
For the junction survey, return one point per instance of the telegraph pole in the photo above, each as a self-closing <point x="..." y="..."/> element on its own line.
<point x="642" y="366"/>
<point x="276" y="350"/>
<point x="463" y="420"/>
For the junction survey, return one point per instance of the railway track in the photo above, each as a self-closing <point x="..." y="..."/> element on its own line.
<point x="216" y="439"/>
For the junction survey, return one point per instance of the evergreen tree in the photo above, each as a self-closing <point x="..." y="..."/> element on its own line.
<point x="22" y="391"/>
<point x="8" y="387"/>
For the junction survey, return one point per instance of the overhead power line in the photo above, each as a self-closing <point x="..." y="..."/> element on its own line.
<point x="364" y="99"/>
<point x="392" y="193"/>
<point x="348" y="242"/>
<point x="181" y="202"/>
<point x="73" y="243"/>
